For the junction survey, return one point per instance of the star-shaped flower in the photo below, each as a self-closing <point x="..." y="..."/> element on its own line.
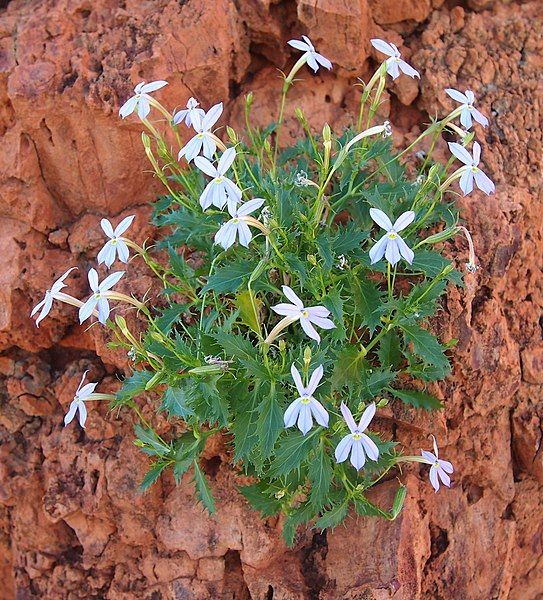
<point x="391" y="245"/>
<point x="304" y="408"/>
<point x="220" y="189"/>
<point x="312" y="315"/>
<point x="116" y="244"/>
<point x="439" y="469"/>
<point x="238" y="225"/>
<point x="471" y="171"/>
<point x="51" y="294"/>
<point x="78" y="403"/>
<point x="357" y="444"/>
<point x="189" y="114"/>
<point x="141" y="99"/>
<point x="204" y="138"/>
<point x="394" y="64"/>
<point x="313" y="58"/>
<point x="467" y="101"/>
<point x="99" y="298"/>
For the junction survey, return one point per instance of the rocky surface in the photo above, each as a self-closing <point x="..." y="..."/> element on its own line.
<point x="72" y="523"/>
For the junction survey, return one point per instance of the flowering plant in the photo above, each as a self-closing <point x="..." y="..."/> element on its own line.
<point x="296" y="295"/>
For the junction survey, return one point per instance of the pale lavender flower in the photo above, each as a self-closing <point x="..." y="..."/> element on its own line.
<point x="312" y="315"/>
<point x="220" y="189"/>
<point x="238" y="226"/>
<point x="116" y="244"/>
<point x="53" y="293"/>
<point x="394" y="64"/>
<point x="467" y="101"/>
<point x="391" y="245"/>
<point x="313" y="58"/>
<point x="188" y="115"/>
<point x="471" y="171"/>
<point x="99" y="297"/>
<point x="141" y="99"/>
<point x="357" y="444"/>
<point x="306" y="407"/>
<point x="204" y="140"/>
<point x="439" y="469"/>
<point x="78" y="403"/>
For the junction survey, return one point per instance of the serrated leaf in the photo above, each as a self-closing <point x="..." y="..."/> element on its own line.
<point x="256" y="497"/>
<point x="152" y="475"/>
<point x="417" y="399"/>
<point x="202" y="488"/>
<point x="176" y="401"/>
<point x="242" y="349"/>
<point x="426" y="346"/>
<point x="270" y="424"/>
<point x="320" y="475"/>
<point x="334" y="516"/>
<point x="133" y="385"/>
<point x="149" y="442"/>
<point x="367" y="299"/>
<point x="334" y="304"/>
<point x="389" y="352"/>
<point x="378" y="380"/>
<point x="229" y="277"/>
<point x="291" y="451"/>
<point x="297" y="516"/>
<point x="349" y="368"/>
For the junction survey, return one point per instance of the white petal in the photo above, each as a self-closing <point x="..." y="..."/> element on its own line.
<point x="297" y="379"/>
<point x="476" y="153"/>
<point x="319" y="413"/>
<point x="348" y="416"/>
<point x="144" y="108"/>
<point x="209" y="146"/>
<point x="466" y="182"/>
<point x="40" y="304"/>
<point x="82" y="414"/>
<point x="104" y="254"/>
<point x="212" y="116"/>
<point x="343" y="449"/>
<point x="381" y="218"/>
<point x="370" y="447"/>
<point x="103" y="310"/>
<point x="93" y="280"/>
<point x="226" y="235"/>
<point x="367" y="416"/>
<point x="302" y="46"/>
<point x="309" y="43"/>
<point x="317" y="311"/>
<point x="250" y="207"/>
<point x="305" y="420"/>
<point x="86" y="310"/>
<point x="383" y="47"/>
<point x="484" y="183"/>
<point x="404" y="220"/>
<point x="479" y="117"/>
<point x="86" y="390"/>
<point x="122" y="251"/>
<point x="153" y="86"/>
<point x="408" y="69"/>
<point x="378" y="250"/>
<point x="128" y="107"/>
<point x="456" y="95"/>
<point x="323" y="60"/>
<point x="232" y="189"/>
<point x="107" y="228"/>
<point x="444" y="477"/>
<point x="59" y="283"/>
<point x="289" y="293"/>
<point x="309" y="329"/>
<point x="47" y="304"/>
<point x="358" y="459"/>
<point x="71" y="413"/>
<point x="321" y="322"/>
<point x="124" y="225"/>
<point x="191" y="149"/>
<point x="314" y="381"/>
<point x="226" y="160"/>
<point x="291" y="414"/>
<point x="179" y="116"/>
<point x="204" y="165"/>
<point x="218" y="193"/>
<point x="286" y="310"/>
<point x="110" y="281"/>
<point x="206" y="199"/>
<point x="392" y="253"/>
<point x="465" y="118"/>
<point x="461" y="153"/>
<point x="392" y="68"/>
<point x="433" y="478"/>
<point x="405" y="250"/>
<point x="431" y="458"/>
<point x="244" y="234"/>
<point x="311" y="62"/>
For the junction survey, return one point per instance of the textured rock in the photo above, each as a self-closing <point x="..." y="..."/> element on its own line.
<point x="72" y="522"/>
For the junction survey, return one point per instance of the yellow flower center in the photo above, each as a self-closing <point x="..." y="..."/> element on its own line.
<point x="392" y="235"/>
<point x="306" y="399"/>
<point x="474" y="169"/>
<point x="218" y="180"/>
<point x="114" y="242"/>
<point x="305" y="313"/>
<point x="97" y="295"/>
<point x="356" y="437"/>
<point x="235" y="221"/>
<point x="200" y="135"/>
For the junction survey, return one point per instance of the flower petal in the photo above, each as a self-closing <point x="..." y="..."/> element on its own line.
<point x="144" y="108"/>
<point x="250" y="207"/>
<point x="110" y="281"/>
<point x="446" y="466"/>
<point x="191" y="149"/>
<point x="392" y="68"/>
<point x="206" y="166"/>
<point x="305" y="420"/>
<point x="431" y="458"/>
<point x="433" y="478"/>
<point x="358" y="458"/>
<point x="484" y="183"/>
<point x="103" y="310"/>
<point x="309" y="329"/>
<point x="212" y="116"/>
<point x="69" y="417"/>
<point x="348" y="416"/>
<point x="381" y="218"/>
<point x="86" y="390"/>
<point x="404" y="220"/>
<point x="93" y="280"/>
<point x="86" y="310"/>
<point x="226" y="160"/>
<point x="321" y="322"/>
<point x="314" y="381"/>
<point x="319" y="413"/>
<point x="383" y="47"/>
<point x="124" y="225"/>
<point x="291" y="295"/>
<point x="465" y="118"/>
<point x="107" y="254"/>
<point x="47" y="304"/>
<point x="122" y="251"/>
<point x="297" y="379"/>
<point x="370" y="447"/>
<point x="291" y="414"/>
<point x="444" y="477"/>
<point x="153" y="86"/>
<point x="317" y="311"/>
<point x="180" y="116"/>
<point x="226" y="235"/>
<point x="461" y="153"/>
<point x="311" y="62"/>
<point x="479" y="117"/>
<point x="244" y="234"/>
<point x="209" y="146"/>
<point x="343" y="449"/>
<point x="476" y="153"/>
<point x="107" y="228"/>
<point x="405" y="250"/>
<point x="128" y="107"/>
<point x="456" y="95"/>
<point x="466" y="181"/>
<point x="323" y="60"/>
<point x="82" y="414"/>
<point x="378" y="250"/>
<point x="299" y="45"/>
<point x="392" y="253"/>
<point x="367" y="416"/>
<point x="408" y="69"/>
<point x="286" y="310"/>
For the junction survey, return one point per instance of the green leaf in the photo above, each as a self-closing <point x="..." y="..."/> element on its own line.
<point x="378" y="380"/>
<point x="334" y="516"/>
<point x="325" y="251"/>
<point x="301" y="514"/>
<point x="132" y="386"/>
<point x="242" y="349"/>
<point x="256" y="497"/>
<point x="389" y="352"/>
<point x="149" y="442"/>
<point x="367" y="299"/>
<point x="291" y="451"/>
<point x="177" y="400"/>
<point x="270" y="424"/>
<point x="348" y="239"/>
<point x="399" y="500"/>
<point x="320" y="475"/>
<point x="202" y="488"/>
<point x="334" y="304"/>
<point x="153" y="474"/>
<point x="229" y="277"/>
<point x="426" y="346"/>
<point x="417" y="399"/>
<point x="244" y="431"/>
<point x="349" y="368"/>
<point x="248" y="306"/>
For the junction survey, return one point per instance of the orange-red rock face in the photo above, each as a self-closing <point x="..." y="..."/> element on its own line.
<point x="72" y="523"/>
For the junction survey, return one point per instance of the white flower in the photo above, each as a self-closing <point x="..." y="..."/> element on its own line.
<point x="50" y="295"/>
<point x="99" y="298"/>
<point x="116" y="244"/>
<point x="467" y="101"/>
<point x="394" y="64"/>
<point x="238" y="226"/>
<point x="439" y="468"/>
<point x="312" y="315"/>
<point x="78" y="403"/>
<point x="220" y="189"/>
<point x="357" y="443"/>
<point x="141" y="99"/>
<point x="471" y="171"/>
<point x="391" y="245"/>
<point x="204" y="138"/>
<point x="313" y="58"/>
<point x="188" y="114"/>
<point x="304" y="408"/>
